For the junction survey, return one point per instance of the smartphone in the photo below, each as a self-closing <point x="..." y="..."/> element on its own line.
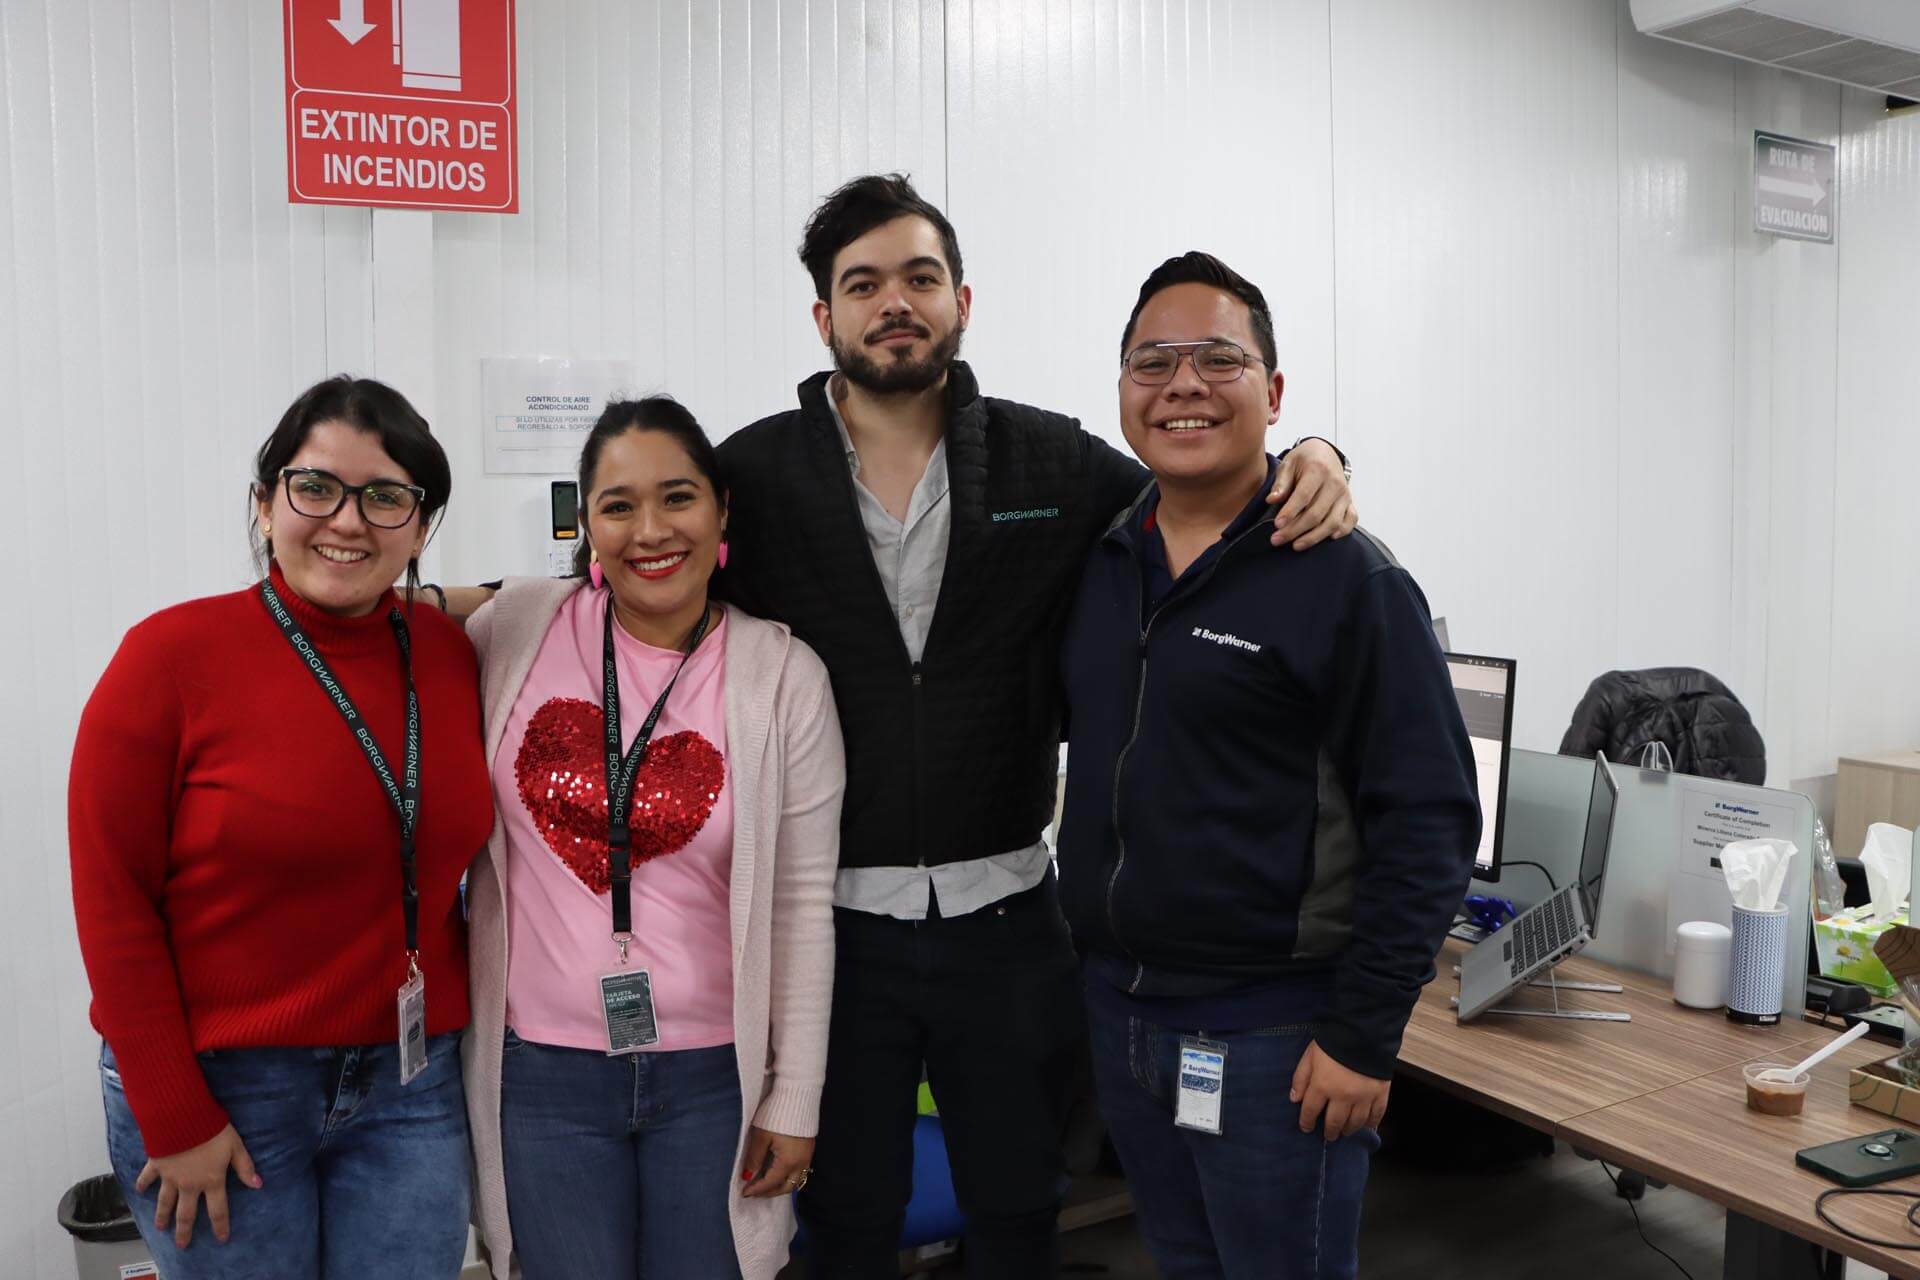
<point x="1863" y="1161"/>
<point x="566" y="510"/>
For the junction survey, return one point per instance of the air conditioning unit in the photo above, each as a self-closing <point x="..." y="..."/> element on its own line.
<point x="1869" y="44"/>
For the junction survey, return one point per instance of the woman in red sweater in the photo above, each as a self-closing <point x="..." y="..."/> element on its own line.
<point x="273" y="798"/>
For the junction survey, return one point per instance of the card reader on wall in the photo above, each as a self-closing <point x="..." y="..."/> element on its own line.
<point x="565" y="531"/>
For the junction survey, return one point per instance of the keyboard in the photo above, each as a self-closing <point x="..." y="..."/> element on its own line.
<point x="1545" y="931"/>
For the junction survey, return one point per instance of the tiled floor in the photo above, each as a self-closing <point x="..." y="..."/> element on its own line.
<point x="1554" y="1217"/>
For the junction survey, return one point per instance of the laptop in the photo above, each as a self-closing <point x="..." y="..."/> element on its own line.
<point x="1545" y="934"/>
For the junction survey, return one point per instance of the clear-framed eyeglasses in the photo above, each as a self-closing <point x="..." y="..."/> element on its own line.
<point x="1215" y="360"/>
<point x="317" y="494"/>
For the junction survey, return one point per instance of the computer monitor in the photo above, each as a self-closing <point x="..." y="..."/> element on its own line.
<point x="1484" y="689"/>
<point x="1598" y="840"/>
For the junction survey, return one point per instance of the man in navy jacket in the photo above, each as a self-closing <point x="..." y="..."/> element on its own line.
<point x="1271" y="813"/>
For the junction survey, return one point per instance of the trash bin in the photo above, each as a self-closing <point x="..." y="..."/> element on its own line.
<point x="106" y="1244"/>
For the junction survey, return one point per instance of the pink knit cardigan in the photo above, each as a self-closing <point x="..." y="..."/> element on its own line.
<point x="788" y="772"/>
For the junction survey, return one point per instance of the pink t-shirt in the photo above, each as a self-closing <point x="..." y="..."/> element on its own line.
<point x="550" y="775"/>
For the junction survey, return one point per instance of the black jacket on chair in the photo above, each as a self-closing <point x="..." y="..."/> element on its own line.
<point x="1709" y="733"/>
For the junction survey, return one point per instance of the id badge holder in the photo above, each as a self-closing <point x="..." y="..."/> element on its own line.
<point x="1201" y="1084"/>
<point x="626" y="1005"/>
<point x="412" y="1004"/>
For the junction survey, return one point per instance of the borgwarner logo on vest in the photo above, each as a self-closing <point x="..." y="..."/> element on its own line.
<point x="1226" y="639"/>
<point x="402" y="104"/>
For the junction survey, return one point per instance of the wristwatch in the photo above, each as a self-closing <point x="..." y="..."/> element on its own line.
<point x="1346" y="464"/>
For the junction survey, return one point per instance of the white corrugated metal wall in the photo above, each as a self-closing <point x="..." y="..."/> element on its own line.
<point x="669" y="154"/>
<point x="1602" y="421"/>
<point x="158" y="302"/>
<point x="1868" y="626"/>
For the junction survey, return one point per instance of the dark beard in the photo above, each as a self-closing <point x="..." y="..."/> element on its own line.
<point x="897" y="376"/>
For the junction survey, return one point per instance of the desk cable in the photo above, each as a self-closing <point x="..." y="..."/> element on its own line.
<point x="1521" y="862"/>
<point x="1913" y="1215"/>
<point x="1637" y="1225"/>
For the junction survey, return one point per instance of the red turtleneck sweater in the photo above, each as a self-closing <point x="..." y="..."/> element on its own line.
<point x="236" y="864"/>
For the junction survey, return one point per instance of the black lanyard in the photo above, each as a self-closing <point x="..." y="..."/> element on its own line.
<point x="621" y="771"/>
<point x="403" y="794"/>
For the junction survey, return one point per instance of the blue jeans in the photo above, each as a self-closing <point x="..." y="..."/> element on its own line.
<point x="1259" y="1199"/>
<point x="620" y="1166"/>
<point x="362" y="1178"/>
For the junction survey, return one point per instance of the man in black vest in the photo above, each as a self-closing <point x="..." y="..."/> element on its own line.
<point x="925" y="540"/>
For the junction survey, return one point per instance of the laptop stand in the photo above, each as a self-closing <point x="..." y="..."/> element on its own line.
<point x="1613" y="987"/>
<point x="1585" y="1015"/>
<point x="1556" y="986"/>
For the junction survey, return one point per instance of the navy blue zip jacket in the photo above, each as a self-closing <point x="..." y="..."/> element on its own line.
<point x="1269" y="776"/>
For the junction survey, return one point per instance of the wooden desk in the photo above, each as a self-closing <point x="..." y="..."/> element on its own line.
<point x="1663" y="1095"/>
<point x="1543" y="1071"/>
<point x="1700" y="1136"/>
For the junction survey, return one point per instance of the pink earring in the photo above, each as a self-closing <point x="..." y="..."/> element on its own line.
<point x="720" y="559"/>
<point x="597" y="574"/>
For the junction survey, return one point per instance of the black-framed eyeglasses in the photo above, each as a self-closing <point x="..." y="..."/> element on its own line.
<point x="1215" y="361"/>
<point x="317" y="494"/>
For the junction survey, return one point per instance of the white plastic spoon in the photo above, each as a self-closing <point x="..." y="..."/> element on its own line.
<point x="1787" y="1075"/>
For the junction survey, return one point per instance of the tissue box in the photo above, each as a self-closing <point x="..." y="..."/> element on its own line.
<point x="1883" y="1087"/>
<point x="1845" y="946"/>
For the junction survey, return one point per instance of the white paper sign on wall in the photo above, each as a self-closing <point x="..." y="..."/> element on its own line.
<point x="538" y="410"/>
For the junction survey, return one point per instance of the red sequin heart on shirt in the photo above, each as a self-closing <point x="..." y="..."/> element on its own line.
<point x="562" y="777"/>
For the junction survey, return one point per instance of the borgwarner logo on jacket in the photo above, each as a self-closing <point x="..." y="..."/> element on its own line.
<point x="1231" y="641"/>
<point x="1031" y="513"/>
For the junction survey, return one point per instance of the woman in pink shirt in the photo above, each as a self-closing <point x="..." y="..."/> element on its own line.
<point x="652" y="933"/>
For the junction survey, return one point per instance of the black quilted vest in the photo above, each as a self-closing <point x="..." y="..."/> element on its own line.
<point x="955" y="757"/>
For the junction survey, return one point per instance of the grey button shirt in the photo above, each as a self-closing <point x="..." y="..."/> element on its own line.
<point x="911" y="558"/>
